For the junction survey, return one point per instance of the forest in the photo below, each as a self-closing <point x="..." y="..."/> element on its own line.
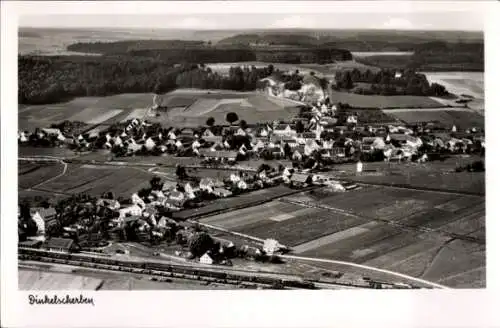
<point x="44" y="80"/>
<point x="435" y="56"/>
<point x="385" y="82"/>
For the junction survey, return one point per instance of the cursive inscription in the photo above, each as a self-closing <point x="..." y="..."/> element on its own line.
<point x="55" y="299"/>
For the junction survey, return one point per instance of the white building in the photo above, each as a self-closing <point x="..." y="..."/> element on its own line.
<point x="206" y="259"/>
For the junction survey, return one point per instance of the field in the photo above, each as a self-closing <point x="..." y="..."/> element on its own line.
<point x="402" y="230"/>
<point x="376" y="101"/>
<point x="39" y="280"/>
<point x="462" y="118"/>
<point x="31" y="174"/>
<point x="435" y="175"/>
<point x="185" y="108"/>
<point x="98" y="179"/>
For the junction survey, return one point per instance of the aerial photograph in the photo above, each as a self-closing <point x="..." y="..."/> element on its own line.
<point x="251" y="151"/>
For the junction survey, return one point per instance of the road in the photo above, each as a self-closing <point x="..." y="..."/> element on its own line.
<point x="368" y="268"/>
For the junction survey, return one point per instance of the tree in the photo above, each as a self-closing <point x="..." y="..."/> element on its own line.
<point x="243" y="124"/>
<point x="156" y="183"/>
<point x="231" y="117"/>
<point x="287" y="150"/>
<point x="299" y="126"/>
<point x="210" y="121"/>
<point x="180" y="172"/>
<point x="200" y="243"/>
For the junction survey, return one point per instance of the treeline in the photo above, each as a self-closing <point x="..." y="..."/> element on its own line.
<point x="435" y="56"/>
<point x="321" y="55"/>
<point x="44" y="80"/>
<point x="385" y="82"/>
<point x="119" y="47"/>
<point x="178" y="51"/>
<point x="270" y="39"/>
<point x="197" y="55"/>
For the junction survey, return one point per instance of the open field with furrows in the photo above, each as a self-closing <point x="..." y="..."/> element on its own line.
<point x="45" y="151"/>
<point x="248" y="199"/>
<point x="192" y="107"/>
<point x="186" y="107"/>
<point x="39" y="280"/>
<point x="33" y="173"/>
<point x="439" y="175"/>
<point x="94" y="180"/>
<point x="376" y="101"/>
<point x="463" y="119"/>
<point x="418" y="242"/>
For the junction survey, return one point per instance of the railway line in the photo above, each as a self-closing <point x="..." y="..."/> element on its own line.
<point x="184" y="271"/>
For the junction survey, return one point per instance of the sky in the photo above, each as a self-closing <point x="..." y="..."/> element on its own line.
<point x="395" y="15"/>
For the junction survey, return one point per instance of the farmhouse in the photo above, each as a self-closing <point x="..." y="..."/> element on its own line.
<point x="219" y="154"/>
<point x="405" y="139"/>
<point x="209" y="136"/>
<point x="43" y="216"/>
<point x="300" y="180"/>
<point x="59" y="245"/>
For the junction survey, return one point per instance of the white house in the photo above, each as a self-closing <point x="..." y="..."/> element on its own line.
<point x="206" y="259"/>
<point x="284" y="130"/>
<point x="270" y="246"/>
<point x="149" y="144"/>
<point x="134" y="210"/>
<point x="171" y="135"/>
<point x="21" y="136"/>
<point x="137" y="200"/>
<point x="242" y="185"/>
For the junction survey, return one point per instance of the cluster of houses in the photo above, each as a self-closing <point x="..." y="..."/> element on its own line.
<point x="324" y="131"/>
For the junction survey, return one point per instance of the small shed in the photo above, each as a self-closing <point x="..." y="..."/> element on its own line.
<point x="65" y="245"/>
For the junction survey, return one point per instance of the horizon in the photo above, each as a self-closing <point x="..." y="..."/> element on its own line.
<point x="453" y="21"/>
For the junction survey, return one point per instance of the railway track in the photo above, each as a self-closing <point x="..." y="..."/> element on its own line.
<point x="182" y="271"/>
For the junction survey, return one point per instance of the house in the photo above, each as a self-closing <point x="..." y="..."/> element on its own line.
<point x="370" y="144"/>
<point x="22" y="136"/>
<point x="277" y="151"/>
<point x="219" y="154"/>
<point x="207" y="184"/>
<point x="149" y="144"/>
<point x="405" y="139"/>
<point x="284" y="130"/>
<point x="300" y="180"/>
<point x="240" y="132"/>
<point x="296" y="156"/>
<point x="209" y="136"/>
<point x="59" y="245"/>
<point x="270" y="246"/>
<point x="30" y="243"/>
<point x="130" y="210"/>
<point x="258" y="146"/>
<point x="43" y="217"/>
<point x="206" y="259"/>
<point x="338" y="152"/>
<point x="352" y="118"/>
<point x="51" y="132"/>
<point x="176" y="196"/>
<point x="222" y="192"/>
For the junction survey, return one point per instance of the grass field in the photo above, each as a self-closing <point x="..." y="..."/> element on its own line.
<point x="186" y="107"/>
<point x="94" y="180"/>
<point x="357" y="230"/>
<point x="463" y="119"/>
<point x="31" y="174"/>
<point x="435" y="175"/>
<point x="376" y="101"/>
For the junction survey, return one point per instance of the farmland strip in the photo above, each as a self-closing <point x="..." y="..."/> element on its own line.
<point x="334" y="237"/>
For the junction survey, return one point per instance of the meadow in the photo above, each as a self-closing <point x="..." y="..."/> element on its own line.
<point x="407" y="231"/>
